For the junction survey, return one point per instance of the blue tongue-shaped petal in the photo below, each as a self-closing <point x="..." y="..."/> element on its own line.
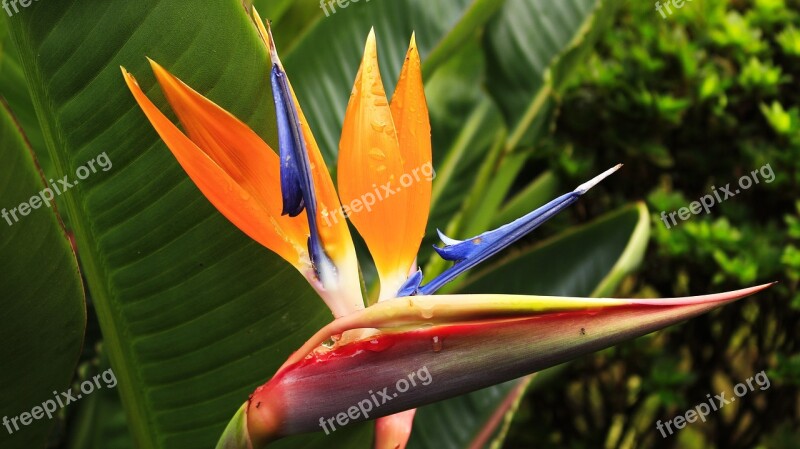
<point x="297" y="185"/>
<point x="411" y="285"/>
<point x="291" y="173"/>
<point x="470" y="252"/>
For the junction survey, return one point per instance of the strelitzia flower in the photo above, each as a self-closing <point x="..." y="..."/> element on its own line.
<point x="287" y="203"/>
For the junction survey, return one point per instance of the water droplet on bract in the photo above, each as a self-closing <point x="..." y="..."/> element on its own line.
<point x="426" y="312"/>
<point x="377" y="154"/>
<point x="379" y="344"/>
<point x="381" y="101"/>
<point x="244" y="194"/>
<point x="329" y="343"/>
<point x="380" y="168"/>
<point x="437" y="344"/>
<point x="378" y="126"/>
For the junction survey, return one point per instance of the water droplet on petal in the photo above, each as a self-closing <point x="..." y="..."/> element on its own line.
<point x="437" y="344"/>
<point x="377" y="154"/>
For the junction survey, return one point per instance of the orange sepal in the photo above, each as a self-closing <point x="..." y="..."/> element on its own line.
<point x="225" y="177"/>
<point x="370" y="170"/>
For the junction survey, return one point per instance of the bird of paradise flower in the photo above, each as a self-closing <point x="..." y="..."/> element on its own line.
<point x="281" y="200"/>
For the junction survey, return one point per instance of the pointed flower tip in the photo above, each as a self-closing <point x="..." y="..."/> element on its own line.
<point x="703" y="299"/>
<point x="413" y="51"/>
<point x="158" y="69"/>
<point x="266" y="36"/>
<point x="160" y="72"/>
<point x="371" y="44"/>
<point x="583" y="188"/>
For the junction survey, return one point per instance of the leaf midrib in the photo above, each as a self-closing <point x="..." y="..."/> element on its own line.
<point x="120" y="355"/>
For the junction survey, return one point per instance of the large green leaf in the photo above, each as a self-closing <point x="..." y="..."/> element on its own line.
<point x="589" y="260"/>
<point x="194" y="315"/>
<point x="43" y="314"/>
<point x="14" y="91"/>
<point x="537" y="193"/>
<point x="532" y="46"/>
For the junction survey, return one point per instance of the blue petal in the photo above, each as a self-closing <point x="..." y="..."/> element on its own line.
<point x="297" y="185"/>
<point x="470" y="252"/>
<point x="411" y="286"/>
<point x="291" y="172"/>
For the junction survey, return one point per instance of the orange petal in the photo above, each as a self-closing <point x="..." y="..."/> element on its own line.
<point x="370" y="171"/>
<point x="410" y="114"/>
<point x="236" y="182"/>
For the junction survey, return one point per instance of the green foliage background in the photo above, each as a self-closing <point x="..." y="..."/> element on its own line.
<point x="687" y="102"/>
